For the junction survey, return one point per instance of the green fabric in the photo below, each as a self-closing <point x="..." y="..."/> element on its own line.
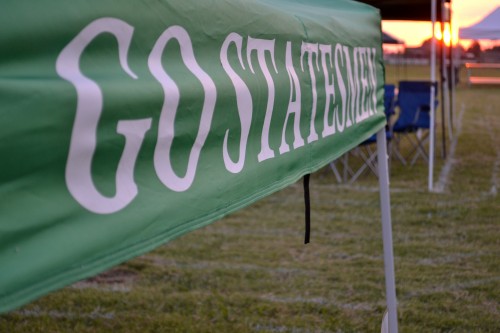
<point x="114" y="117"/>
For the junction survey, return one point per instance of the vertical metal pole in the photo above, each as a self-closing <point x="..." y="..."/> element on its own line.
<point x="453" y="76"/>
<point x="444" y="82"/>
<point x="433" y="91"/>
<point x="385" y="207"/>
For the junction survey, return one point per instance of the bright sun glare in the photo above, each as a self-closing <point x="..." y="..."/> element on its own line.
<point x="446" y="36"/>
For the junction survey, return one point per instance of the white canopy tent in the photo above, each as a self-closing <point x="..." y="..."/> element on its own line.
<point x="151" y="222"/>
<point x="487" y="28"/>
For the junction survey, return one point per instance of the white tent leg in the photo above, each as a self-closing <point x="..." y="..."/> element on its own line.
<point x="432" y="106"/>
<point x="453" y="63"/>
<point x="385" y="207"/>
<point x="432" y="134"/>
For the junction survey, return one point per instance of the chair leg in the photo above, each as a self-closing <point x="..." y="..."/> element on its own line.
<point x="347" y="169"/>
<point x="369" y="162"/>
<point x="336" y="172"/>
<point x="395" y="149"/>
<point x="340" y="168"/>
<point x="370" y="159"/>
<point x="417" y="141"/>
<point x="418" y="148"/>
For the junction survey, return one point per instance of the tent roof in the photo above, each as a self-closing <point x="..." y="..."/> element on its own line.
<point x="388" y="39"/>
<point x="487" y="28"/>
<point x="404" y="10"/>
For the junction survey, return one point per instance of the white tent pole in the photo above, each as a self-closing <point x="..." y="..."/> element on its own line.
<point x="385" y="207"/>
<point x="445" y="108"/>
<point x="453" y="77"/>
<point x="433" y="91"/>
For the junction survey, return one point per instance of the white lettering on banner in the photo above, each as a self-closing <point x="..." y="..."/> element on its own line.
<point x="329" y="90"/>
<point x="343" y="93"/>
<point x="243" y="102"/>
<point x="311" y="49"/>
<point x="262" y="46"/>
<point x="88" y="111"/>
<point x="364" y="109"/>
<point x="293" y="106"/>
<point x="373" y="79"/>
<point x="166" y="130"/>
<point x="356" y="77"/>
<point x="350" y="93"/>
<point x="353" y="90"/>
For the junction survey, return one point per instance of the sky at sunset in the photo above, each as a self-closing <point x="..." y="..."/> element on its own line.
<point x="465" y="13"/>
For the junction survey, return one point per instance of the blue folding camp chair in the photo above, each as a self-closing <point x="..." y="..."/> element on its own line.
<point x="413" y="122"/>
<point x="366" y="151"/>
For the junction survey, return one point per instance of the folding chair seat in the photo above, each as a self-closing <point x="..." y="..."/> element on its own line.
<point x="413" y="122"/>
<point x="366" y="150"/>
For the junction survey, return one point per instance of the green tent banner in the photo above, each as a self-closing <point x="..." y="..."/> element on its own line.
<point x="127" y="124"/>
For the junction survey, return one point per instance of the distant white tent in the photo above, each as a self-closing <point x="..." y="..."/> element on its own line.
<point x="389" y="39"/>
<point x="487" y="28"/>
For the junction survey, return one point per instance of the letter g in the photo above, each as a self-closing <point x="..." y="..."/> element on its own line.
<point x="88" y="111"/>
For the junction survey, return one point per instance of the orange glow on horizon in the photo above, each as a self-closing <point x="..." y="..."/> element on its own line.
<point x="464" y="13"/>
<point x="448" y="38"/>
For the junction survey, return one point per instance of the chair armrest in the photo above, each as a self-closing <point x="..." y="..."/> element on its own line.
<point x="424" y="108"/>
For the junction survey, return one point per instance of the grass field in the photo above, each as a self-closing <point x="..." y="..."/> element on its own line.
<point x="250" y="272"/>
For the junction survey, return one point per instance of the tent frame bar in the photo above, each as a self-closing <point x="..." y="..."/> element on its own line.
<point x="385" y="207"/>
<point x="432" y="98"/>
